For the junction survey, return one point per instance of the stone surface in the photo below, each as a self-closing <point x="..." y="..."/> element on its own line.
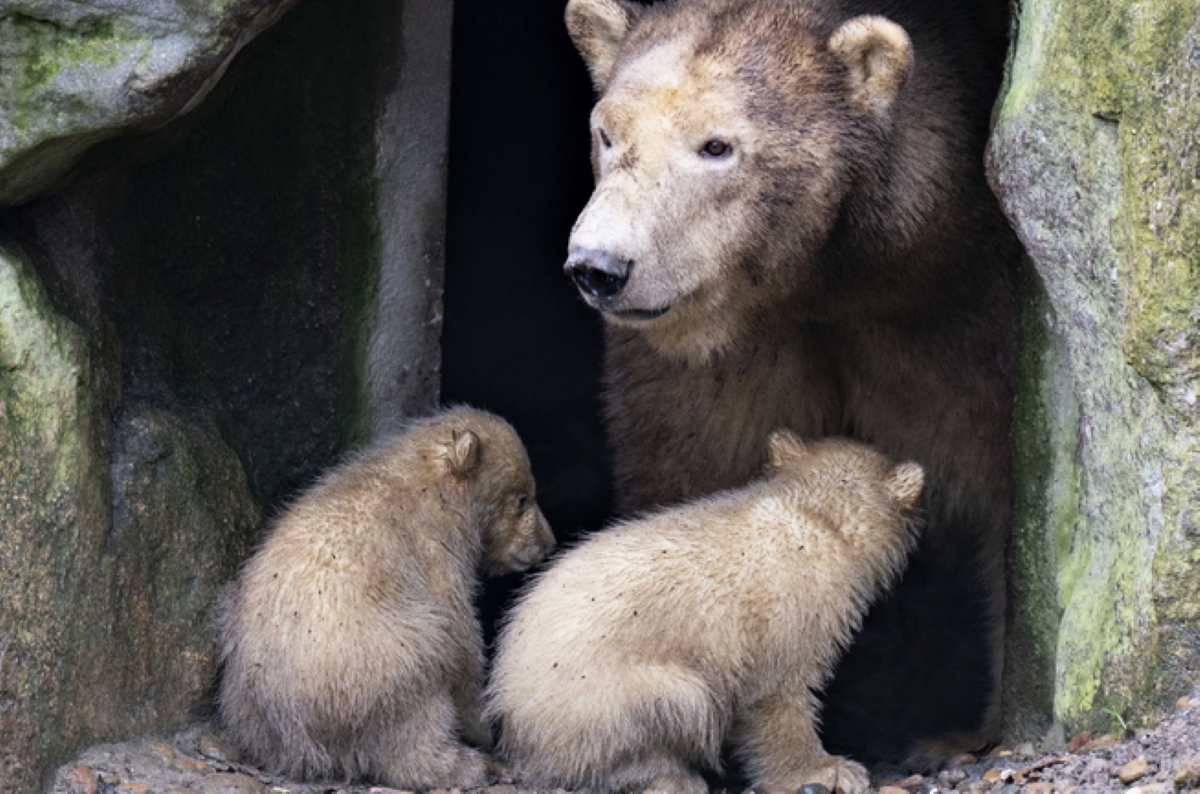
<point x="54" y="514"/>
<point x="110" y="556"/>
<point x="75" y="74"/>
<point x="179" y="762"/>
<point x="188" y="334"/>
<point x="1095" y="156"/>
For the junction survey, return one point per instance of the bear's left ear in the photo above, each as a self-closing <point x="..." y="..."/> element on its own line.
<point x="878" y="55"/>
<point x="905" y="483"/>
<point x="462" y="453"/>
<point x="597" y="28"/>
<point x="785" y="447"/>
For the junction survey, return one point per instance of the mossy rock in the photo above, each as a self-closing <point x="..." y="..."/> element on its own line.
<point x="1095" y="156"/>
<point x="73" y="75"/>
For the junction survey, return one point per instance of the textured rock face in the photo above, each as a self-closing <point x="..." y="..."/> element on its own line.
<point x="1096" y="156"/>
<point x="109" y="560"/>
<point x="193" y="323"/>
<point x="74" y="74"/>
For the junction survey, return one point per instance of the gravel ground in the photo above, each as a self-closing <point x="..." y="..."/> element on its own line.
<point x="1163" y="759"/>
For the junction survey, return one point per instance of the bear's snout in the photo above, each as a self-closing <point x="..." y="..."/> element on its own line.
<point x="597" y="274"/>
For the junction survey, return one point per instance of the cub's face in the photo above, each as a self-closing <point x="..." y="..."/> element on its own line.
<point x="516" y="535"/>
<point x="721" y="154"/>
<point x="484" y="454"/>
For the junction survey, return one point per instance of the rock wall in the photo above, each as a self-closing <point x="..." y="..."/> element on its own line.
<point x="1096" y="159"/>
<point x="220" y="267"/>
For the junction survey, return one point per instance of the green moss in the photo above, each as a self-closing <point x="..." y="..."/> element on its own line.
<point x="1098" y="129"/>
<point x="45" y="48"/>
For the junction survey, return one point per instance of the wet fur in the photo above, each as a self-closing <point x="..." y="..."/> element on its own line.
<point x="629" y="663"/>
<point x="350" y="643"/>
<point x="852" y="275"/>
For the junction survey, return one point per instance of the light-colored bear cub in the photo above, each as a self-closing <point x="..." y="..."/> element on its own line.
<point x="350" y="641"/>
<point x="630" y="662"/>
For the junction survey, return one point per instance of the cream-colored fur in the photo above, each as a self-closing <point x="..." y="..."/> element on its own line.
<point x="350" y="642"/>
<point x="629" y="663"/>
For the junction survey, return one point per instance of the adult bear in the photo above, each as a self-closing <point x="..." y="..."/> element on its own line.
<point x="791" y="228"/>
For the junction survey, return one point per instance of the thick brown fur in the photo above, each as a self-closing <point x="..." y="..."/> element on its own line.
<point x="630" y="662"/>
<point x="350" y="643"/>
<point x="840" y="267"/>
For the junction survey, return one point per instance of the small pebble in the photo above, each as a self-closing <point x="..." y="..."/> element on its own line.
<point x="1183" y="703"/>
<point x="164" y="750"/>
<point x="992" y="775"/>
<point x="1102" y="742"/>
<point x="1079" y="741"/>
<point x="1134" y="770"/>
<point x="1040" y="787"/>
<point x="1152" y="788"/>
<point x="134" y="788"/>
<point x="892" y="790"/>
<point x="83" y="780"/>
<point x="962" y="759"/>
<point x="233" y="783"/>
<point x="953" y="776"/>
<point x="191" y="764"/>
<point x="1025" y="749"/>
<point x="212" y="747"/>
<point x="1187" y="774"/>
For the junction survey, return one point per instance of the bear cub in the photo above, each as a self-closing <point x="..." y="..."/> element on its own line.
<point x="629" y="663"/>
<point x="350" y="643"/>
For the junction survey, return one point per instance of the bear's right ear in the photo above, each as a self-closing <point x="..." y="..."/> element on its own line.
<point x="597" y="28"/>
<point x="878" y="55"/>
<point x="462" y="453"/>
<point x="785" y="447"/>
<point x="905" y="483"/>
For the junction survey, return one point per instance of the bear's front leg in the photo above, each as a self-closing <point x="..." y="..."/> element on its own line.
<point x="660" y="771"/>
<point x="777" y="740"/>
<point x="419" y="749"/>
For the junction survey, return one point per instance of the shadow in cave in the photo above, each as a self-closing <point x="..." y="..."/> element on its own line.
<point x="517" y="340"/>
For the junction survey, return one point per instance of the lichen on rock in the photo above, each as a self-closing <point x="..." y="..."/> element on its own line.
<point x="1095" y="156"/>
<point x="74" y="74"/>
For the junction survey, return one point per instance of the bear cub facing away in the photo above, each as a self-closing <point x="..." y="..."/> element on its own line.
<point x="350" y="642"/>
<point x="629" y="663"/>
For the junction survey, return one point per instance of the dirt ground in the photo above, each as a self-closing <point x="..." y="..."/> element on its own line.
<point x="1163" y="759"/>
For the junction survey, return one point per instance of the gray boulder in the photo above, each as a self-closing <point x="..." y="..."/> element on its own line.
<point x="1095" y="158"/>
<point x="75" y="74"/>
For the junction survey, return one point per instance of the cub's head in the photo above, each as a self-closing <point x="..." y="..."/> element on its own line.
<point x="851" y="482"/>
<point x="483" y="453"/>
<point x="725" y="137"/>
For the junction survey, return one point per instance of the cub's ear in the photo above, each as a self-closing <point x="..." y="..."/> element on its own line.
<point x="785" y="447"/>
<point x="597" y="27"/>
<point x="905" y="483"/>
<point x="462" y="453"/>
<point x="878" y="55"/>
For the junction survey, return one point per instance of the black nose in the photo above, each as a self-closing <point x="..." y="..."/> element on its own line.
<point x="597" y="273"/>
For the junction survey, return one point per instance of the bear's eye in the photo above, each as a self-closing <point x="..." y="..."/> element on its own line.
<point x="716" y="148"/>
<point x="522" y="501"/>
<point x="604" y="138"/>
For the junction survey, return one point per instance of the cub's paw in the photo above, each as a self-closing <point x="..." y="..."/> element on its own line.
<point x="832" y="772"/>
<point x="471" y="769"/>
